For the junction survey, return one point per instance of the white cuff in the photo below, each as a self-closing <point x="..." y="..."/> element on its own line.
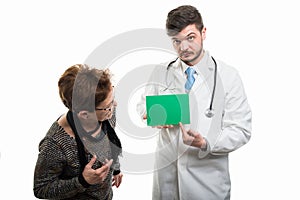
<point x="204" y="152"/>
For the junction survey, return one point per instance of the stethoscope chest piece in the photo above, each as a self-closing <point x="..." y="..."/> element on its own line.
<point x="209" y="113"/>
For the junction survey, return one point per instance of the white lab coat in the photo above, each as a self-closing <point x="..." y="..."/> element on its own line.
<point x="188" y="173"/>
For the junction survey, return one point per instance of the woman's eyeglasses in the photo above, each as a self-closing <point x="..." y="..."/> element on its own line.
<point x="109" y="108"/>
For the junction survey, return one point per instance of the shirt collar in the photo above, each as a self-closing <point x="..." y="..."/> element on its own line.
<point x="203" y="67"/>
<point x="203" y="63"/>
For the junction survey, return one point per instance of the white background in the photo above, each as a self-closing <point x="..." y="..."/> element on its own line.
<point x="260" y="38"/>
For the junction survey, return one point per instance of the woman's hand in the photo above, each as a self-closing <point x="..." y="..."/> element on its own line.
<point x="96" y="176"/>
<point x="117" y="180"/>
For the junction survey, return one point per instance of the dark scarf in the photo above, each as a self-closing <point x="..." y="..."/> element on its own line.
<point x="115" y="143"/>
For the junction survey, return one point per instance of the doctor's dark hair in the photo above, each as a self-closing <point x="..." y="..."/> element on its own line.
<point x="83" y="88"/>
<point x="181" y="17"/>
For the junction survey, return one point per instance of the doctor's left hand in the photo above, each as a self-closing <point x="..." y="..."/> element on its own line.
<point x="192" y="138"/>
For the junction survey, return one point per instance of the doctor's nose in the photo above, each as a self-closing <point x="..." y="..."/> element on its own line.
<point x="183" y="45"/>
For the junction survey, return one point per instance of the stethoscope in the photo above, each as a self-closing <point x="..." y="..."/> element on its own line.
<point x="209" y="111"/>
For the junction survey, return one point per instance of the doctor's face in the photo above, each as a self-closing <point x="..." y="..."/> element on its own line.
<point x="189" y="44"/>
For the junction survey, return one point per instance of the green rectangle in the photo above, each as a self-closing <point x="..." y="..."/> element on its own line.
<point x="167" y="109"/>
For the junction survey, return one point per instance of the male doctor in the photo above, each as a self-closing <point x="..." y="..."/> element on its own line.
<point x="192" y="159"/>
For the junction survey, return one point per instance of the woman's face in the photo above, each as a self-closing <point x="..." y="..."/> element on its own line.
<point x="104" y="110"/>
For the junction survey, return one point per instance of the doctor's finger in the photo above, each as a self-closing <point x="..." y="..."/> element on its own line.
<point x="196" y="135"/>
<point x="185" y="136"/>
<point x="163" y="126"/>
<point x="188" y="140"/>
<point x="192" y="133"/>
<point x="184" y="132"/>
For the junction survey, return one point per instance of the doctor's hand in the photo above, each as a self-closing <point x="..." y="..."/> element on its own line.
<point x="192" y="138"/>
<point x="161" y="126"/>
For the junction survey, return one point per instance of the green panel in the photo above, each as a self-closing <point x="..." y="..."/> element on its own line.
<point x="167" y="109"/>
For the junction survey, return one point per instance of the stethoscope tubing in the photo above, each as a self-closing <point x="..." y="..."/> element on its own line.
<point x="210" y="111"/>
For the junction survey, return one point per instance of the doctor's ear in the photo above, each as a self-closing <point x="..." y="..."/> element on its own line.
<point x="83" y="114"/>
<point x="203" y="33"/>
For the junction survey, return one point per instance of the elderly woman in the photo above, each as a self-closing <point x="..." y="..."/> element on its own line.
<point x="78" y="157"/>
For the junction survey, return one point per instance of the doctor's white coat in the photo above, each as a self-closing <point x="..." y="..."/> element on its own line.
<point x="189" y="173"/>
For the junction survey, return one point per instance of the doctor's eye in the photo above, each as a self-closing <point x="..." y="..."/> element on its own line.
<point x="176" y="42"/>
<point x="191" y="38"/>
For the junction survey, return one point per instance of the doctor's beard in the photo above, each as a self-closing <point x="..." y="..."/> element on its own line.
<point x="189" y="57"/>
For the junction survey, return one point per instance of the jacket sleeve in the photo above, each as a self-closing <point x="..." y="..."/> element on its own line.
<point x="112" y="121"/>
<point x="236" y="119"/>
<point x="49" y="166"/>
<point x="151" y="88"/>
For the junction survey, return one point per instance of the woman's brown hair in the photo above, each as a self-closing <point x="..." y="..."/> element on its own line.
<point x="83" y="88"/>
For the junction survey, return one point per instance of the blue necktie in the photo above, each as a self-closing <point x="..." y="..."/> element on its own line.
<point x="190" y="78"/>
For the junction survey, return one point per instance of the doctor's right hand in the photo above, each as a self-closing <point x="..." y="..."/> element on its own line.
<point x="96" y="176"/>
<point x="161" y="126"/>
